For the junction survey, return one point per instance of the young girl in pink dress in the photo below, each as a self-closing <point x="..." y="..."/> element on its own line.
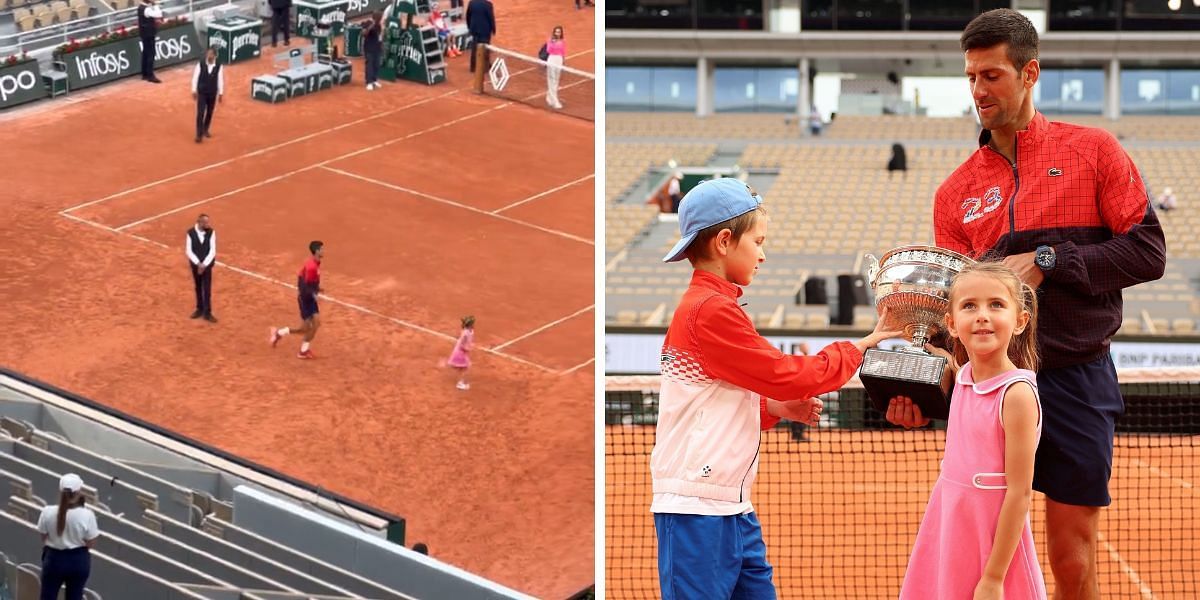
<point x="975" y="542"/>
<point x="460" y="358"/>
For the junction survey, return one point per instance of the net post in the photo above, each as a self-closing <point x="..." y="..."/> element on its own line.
<point x="481" y="65"/>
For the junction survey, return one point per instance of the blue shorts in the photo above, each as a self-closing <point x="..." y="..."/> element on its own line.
<point x="308" y="306"/>
<point x="704" y="557"/>
<point x="443" y="34"/>
<point x="1080" y="406"/>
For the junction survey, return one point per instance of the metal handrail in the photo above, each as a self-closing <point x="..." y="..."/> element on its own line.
<point x="87" y="27"/>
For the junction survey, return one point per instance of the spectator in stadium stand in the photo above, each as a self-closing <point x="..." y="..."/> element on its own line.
<point x="673" y="191"/>
<point x="1078" y="247"/>
<point x="899" y="160"/>
<point x="148" y="16"/>
<point x="281" y="11"/>
<point x="481" y="22"/>
<point x="814" y="121"/>
<point x="373" y="49"/>
<point x="69" y="532"/>
<point x="421" y="548"/>
<point x="1166" y="200"/>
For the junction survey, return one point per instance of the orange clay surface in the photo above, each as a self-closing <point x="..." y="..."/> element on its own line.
<point x="840" y="513"/>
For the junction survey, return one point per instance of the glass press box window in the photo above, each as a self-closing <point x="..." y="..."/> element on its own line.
<point x="756" y="89"/>
<point x="650" y="88"/>
<point x="1160" y="92"/>
<point x="1070" y="92"/>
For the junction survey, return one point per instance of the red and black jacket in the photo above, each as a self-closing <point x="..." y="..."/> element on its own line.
<point x="1073" y="188"/>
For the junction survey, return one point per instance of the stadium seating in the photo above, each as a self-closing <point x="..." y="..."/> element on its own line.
<point x="174" y="528"/>
<point x="831" y="200"/>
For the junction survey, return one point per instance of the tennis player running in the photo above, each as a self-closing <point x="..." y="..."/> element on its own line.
<point x="308" y="282"/>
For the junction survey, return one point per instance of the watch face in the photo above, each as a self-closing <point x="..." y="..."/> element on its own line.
<point x="1044" y="259"/>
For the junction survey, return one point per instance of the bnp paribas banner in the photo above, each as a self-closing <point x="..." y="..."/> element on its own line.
<point x="123" y="58"/>
<point x="20" y="83"/>
<point x="362" y="7"/>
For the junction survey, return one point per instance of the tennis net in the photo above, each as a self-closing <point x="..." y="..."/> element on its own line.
<point x="840" y="503"/>
<point x="520" y="78"/>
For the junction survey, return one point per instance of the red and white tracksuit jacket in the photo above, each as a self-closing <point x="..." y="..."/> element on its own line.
<point x="717" y="372"/>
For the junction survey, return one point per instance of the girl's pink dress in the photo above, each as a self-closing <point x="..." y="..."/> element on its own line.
<point x="461" y="356"/>
<point x="959" y="527"/>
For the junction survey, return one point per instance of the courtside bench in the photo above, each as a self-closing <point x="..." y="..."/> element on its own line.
<point x="301" y="77"/>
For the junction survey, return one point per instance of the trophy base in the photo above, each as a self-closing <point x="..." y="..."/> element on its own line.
<point x="886" y="374"/>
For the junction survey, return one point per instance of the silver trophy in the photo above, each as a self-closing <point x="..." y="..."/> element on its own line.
<point x="913" y="283"/>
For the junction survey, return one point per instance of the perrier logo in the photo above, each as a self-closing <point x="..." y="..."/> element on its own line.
<point x="404" y="45"/>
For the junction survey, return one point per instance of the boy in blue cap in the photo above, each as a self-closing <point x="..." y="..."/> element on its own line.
<point x="722" y="383"/>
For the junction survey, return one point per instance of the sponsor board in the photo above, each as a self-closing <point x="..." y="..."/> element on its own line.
<point x="20" y="83"/>
<point x="245" y="44"/>
<point x="638" y="353"/>
<point x="123" y="58"/>
<point x="362" y="7"/>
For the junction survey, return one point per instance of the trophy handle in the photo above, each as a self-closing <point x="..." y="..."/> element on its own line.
<point x="872" y="270"/>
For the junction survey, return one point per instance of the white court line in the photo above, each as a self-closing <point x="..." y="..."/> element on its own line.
<point x="1183" y="483"/>
<point x="578" y="366"/>
<point x="256" y="152"/>
<point x="546" y="326"/>
<point x="279" y="145"/>
<point x="460" y="205"/>
<point x="87" y="222"/>
<point x="309" y="167"/>
<point x="350" y="305"/>
<point x="1146" y="592"/>
<point x="545" y="193"/>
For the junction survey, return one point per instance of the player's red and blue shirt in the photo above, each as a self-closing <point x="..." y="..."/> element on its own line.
<point x="1073" y="188"/>
<point x="308" y="281"/>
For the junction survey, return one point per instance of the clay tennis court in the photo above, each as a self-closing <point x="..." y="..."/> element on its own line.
<point x="844" y="495"/>
<point x="433" y="203"/>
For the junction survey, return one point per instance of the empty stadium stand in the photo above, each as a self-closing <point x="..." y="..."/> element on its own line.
<point x="831" y="200"/>
<point x="182" y="521"/>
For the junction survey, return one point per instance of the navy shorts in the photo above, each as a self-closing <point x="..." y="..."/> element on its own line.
<point x="1080" y="406"/>
<point x="308" y="307"/>
<point x="702" y="557"/>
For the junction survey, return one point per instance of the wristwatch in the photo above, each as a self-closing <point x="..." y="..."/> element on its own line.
<point x="1044" y="258"/>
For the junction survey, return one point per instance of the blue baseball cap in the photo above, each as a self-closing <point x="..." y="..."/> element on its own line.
<point x="709" y="203"/>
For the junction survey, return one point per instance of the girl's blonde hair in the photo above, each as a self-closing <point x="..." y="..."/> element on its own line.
<point x="1022" y="349"/>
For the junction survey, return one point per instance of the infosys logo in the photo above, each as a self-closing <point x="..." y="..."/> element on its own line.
<point x="96" y="64"/>
<point x="21" y="82"/>
<point x="171" y="48"/>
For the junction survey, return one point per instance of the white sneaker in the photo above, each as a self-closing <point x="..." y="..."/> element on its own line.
<point x="370" y="87"/>
<point x="558" y="106"/>
<point x="377" y="85"/>
<point x="463" y="386"/>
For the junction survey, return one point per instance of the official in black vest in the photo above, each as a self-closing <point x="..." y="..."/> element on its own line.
<point x="281" y="11"/>
<point x="208" y="87"/>
<point x="148" y="15"/>
<point x="201" y="251"/>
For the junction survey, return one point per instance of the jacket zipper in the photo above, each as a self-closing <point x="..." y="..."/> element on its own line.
<point x="742" y="485"/>
<point x="1012" y="200"/>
